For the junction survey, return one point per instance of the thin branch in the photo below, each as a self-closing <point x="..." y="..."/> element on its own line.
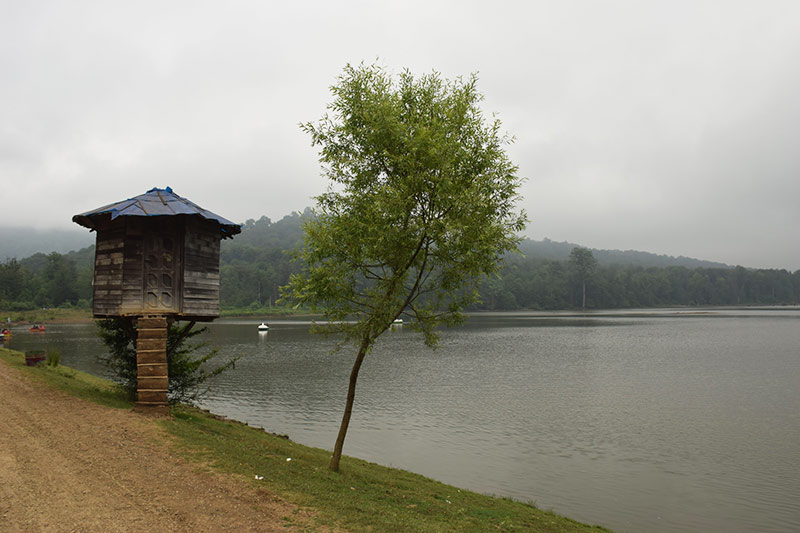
<point x="181" y="336"/>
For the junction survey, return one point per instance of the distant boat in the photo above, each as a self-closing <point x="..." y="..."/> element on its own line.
<point x="263" y="327"/>
<point x="397" y="322"/>
<point x="38" y="327"/>
<point x="6" y="332"/>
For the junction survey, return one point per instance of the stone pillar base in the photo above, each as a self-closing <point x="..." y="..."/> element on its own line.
<point x="151" y="364"/>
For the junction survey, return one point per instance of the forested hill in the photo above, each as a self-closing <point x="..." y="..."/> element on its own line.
<point x="559" y="251"/>
<point x="18" y="243"/>
<point x="288" y="232"/>
<point x="254" y="265"/>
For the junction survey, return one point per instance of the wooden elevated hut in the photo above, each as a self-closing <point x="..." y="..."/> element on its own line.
<point x="157" y="253"/>
<point x="156" y="260"/>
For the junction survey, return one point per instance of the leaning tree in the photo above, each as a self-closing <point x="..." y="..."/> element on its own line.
<point x="421" y="205"/>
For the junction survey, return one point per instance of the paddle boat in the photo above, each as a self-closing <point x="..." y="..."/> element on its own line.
<point x="38" y="327"/>
<point x="263" y="327"/>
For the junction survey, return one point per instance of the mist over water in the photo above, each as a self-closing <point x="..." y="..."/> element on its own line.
<point x="661" y="420"/>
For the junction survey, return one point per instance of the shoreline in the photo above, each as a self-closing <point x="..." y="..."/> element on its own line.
<point x="363" y="496"/>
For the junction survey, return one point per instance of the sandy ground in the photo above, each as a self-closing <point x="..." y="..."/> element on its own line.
<point x="70" y="465"/>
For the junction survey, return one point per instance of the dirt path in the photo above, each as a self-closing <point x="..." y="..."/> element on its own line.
<point x="70" y="465"/>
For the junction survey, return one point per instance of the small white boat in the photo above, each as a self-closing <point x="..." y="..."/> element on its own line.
<point x="263" y="327"/>
<point x="397" y="322"/>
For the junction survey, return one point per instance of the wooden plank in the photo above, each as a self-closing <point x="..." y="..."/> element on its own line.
<point x="200" y="305"/>
<point x="153" y="356"/>
<point x="149" y="344"/>
<point x="152" y="383"/>
<point x="151" y="369"/>
<point x="157" y="397"/>
<point x="201" y="291"/>
<point x="201" y="302"/>
<point x="206" y="282"/>
<point x="150" y="329"/>
<point x="196" y="275"/>
<point x="110" y="245"/>
<point x="194" y="295"/>
<point x="151" y="333"/>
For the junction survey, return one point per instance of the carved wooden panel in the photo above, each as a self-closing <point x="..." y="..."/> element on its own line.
<point x="162" y="272"/>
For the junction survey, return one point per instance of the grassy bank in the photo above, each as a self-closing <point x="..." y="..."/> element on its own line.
<point x="73" y="381"/>
<point x="84" y="315"/>
<point x="263" y="311"/>
<point x="46" y="315"/>
<point x="363" y="497"/>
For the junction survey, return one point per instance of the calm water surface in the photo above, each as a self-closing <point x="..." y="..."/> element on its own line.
<point x="653" y="421"/>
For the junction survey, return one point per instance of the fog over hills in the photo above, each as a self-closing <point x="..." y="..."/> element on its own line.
<point x="19" y="243"/>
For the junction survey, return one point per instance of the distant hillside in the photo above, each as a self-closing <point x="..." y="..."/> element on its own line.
<point x="254" y="265"/>
<point x="83" y="259"/>
<point x="560" y="251"/>
<point x="19" y="242"/>
<point x="284" y="234"/>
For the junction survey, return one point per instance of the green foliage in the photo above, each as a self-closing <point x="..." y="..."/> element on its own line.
<point x="52" y="280"/>
<point x="118" y="337"/>
<point x="254" y="264"/>
<point x="53" y="357"/>
<point x="187" y="372"/>
<point x="421" y="205"/>
<point x="582" y="262"/>
<point x="582" y="265"/>
<point x="530" y="282"/>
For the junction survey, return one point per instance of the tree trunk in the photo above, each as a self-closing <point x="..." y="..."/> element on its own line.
<point x="348" y="408"/>
<point x="584" y="296"/>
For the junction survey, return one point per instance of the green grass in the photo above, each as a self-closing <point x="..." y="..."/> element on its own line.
<point x="81" y="315"/>
<point x="73" y="381"/>
<point x="263" y="311"/>
<point x="47" y="315"/>
<point x="362" y="497"/>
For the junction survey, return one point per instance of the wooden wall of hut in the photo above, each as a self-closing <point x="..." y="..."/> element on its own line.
<point x="201" y="269"/>
<point x="157" y="266"/>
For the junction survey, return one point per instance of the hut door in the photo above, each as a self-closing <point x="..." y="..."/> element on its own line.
<point x="161" y="259"/>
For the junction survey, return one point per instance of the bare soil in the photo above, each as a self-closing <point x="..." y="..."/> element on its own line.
<point x="70" y="465"/>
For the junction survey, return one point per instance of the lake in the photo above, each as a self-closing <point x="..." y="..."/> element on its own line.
<point x="652" y="420"/>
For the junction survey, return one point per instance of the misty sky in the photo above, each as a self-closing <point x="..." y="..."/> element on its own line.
<point x="671" y="127"/>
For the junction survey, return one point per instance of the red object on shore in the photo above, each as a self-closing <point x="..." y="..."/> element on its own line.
<point x="34" y="357"/>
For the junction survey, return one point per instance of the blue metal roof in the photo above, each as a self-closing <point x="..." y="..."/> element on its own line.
<point x="155" y="202"/>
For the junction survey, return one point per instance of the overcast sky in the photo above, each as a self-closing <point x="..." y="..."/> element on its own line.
<point x="671" y="127"/>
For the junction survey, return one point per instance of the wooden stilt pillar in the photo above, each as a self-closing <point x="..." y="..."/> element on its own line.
<point x="151" y="363"/>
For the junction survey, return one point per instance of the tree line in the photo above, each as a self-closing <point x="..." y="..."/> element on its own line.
<point x="255" y="264"/>
<point x="529" y="282"/>
<point x="47" y="280"/>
